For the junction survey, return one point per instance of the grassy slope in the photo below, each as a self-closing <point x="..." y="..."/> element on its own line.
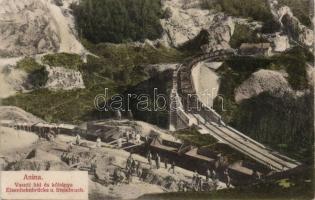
<point x="117" y="68"/>
<point x="28" y="64"/>
<point x="253" y="9"/>
<point x="193" y="137"/>
<point x="67" y="60"/>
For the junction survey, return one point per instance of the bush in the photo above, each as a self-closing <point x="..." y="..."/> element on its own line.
<point x="37" y="74"/>
<point x="294" y="63"/>
<point x="122" y="62"/>
<point x="58" y="3"/>
<point x="243" y="34"/>
<point x="193" y="137"/>
<point x="254" y="9"/>
<point x="67" y="60"/>
<point x="270" y="26"/>
<point x="119" y="21"/>
<point x="38" y="78"/>
<point x="300" y="9"/>
<point x="28" y="64"/>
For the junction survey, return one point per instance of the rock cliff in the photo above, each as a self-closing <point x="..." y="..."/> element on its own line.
<point x="60" y="78"/>
<point x="29" y="27"/>
<point x="273" y="82"/>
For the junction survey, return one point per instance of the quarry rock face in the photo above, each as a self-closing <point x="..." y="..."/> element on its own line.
<point x="29" y="27"/>
<point x="186" y="20"/>
<point x="261" y="81"/>
<point x="183" y="22"/>
<point x="219" y="33"/>
<point x="294" y="28"/>
<point x="60" y="78"/>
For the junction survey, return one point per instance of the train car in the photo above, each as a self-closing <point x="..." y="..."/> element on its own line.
<point x="70" y="129"/>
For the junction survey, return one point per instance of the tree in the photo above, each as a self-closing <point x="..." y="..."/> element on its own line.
<point x="119" y="21"/>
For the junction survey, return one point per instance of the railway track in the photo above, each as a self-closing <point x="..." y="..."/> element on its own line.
<point x="211" y="121"/>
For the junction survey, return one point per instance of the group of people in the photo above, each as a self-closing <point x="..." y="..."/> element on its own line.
<point x="211" y="174"/>
<point x="77" y="142"/>
<point x="69" y="158"/>
<point x="157" y="160"/>
<point x="198" y="181"/>
<point x="211" y="177"/>
<point x="133" y="167"/>
<point x="134" y="136"/>
<point x="50" y="135"/>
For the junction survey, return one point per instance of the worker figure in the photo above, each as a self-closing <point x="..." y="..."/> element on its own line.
<point x="119" y="142"/>
<point x="133" y="135"/>
<point x="77" y="139"/>
<point x="157" y="161"/>
<point x="130" y="115"/>
<point x="63" y="155"/>
<point x="194" y="179"/>
<point x="73" y="159"/>
<point x="98" y="142"/>
<point x="128" y="136"/>
<point x="129" y="175"/>
<point x="78" y="159"/>
<point x="146" y="139"/>
<point x="69" y="160"/>
<point x="227" y="178"/>
<point x="150" y="159"/>
<point x="256" y="175"/>
<point x="138" y="138"/>
<point x="196" y="184"/>
<point x="140" y="173"/>
<point x="133" y="167"/>
<point x="185" y="188"/>
<point x="118" y="114"/>
<point x="116" y="176"/>
<point x="220" y="121"/>
<point x="93" y="168"/>
<point x="138" y="169"/>
<point x="70" y="147"/>
<point x="213" y="175"/>
<point x="172" y="167"/>
<point x="50" y="137"/>
<point x="208" y="175"/>
<point x="180" y="186"/>
<point x="165" y="163"/>
<point x="199" y="184"/>
<point x="129" y="162"/>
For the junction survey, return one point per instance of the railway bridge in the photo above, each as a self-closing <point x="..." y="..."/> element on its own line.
<point x="187" y="110"/>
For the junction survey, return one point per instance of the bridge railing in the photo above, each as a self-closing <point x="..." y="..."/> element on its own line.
<point x="208" y="112"/>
